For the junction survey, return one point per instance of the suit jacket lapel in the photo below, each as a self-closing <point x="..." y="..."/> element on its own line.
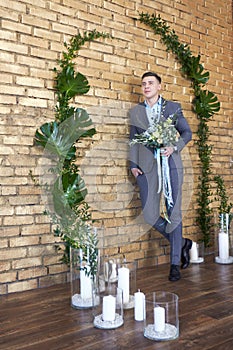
<point x="164" y="112"/>
<point x="142" y="120"/>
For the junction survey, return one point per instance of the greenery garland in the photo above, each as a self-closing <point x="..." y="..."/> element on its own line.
<point x="205" y="105"/>
<point x="221" y="192"/>
<point x="70" y="213"/>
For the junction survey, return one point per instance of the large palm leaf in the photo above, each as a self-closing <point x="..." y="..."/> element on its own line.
<point x="60" y="138"/>
<point x="68" y="192"/>
<point x="206" y="104"/>
<point x="70" y="83"/>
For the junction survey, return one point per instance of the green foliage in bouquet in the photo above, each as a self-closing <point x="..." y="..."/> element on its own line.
<point x="158" y="135"/>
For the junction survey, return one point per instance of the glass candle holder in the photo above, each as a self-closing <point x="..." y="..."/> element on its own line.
<point x="111" y="269"/>
<point x="222" y="240"/>
<point x="223" y="256"/>
<point x="123" y="275"/>
<point x="197" y="252"/>
<point x="82" y="280"/>
<point x="108" y="314"/>
<point x="161" y="321"/>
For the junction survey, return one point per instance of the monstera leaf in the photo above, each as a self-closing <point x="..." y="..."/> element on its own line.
<point x="77" y="126"/>
<point x="196" y="71"/>
<point x="206" y="104"/>
<point x="70" y="83"/>
<point x="59" y="139"/>
<point x="68" y="191"/>
<point x="74" y="188"/>
<point x="48" y="136"/>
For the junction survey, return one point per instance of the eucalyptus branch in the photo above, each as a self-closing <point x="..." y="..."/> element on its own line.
<point x="68" y="82"/>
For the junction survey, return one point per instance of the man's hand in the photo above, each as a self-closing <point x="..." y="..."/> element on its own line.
<point x="167" y="151"/>
<point x="136" y="172"/>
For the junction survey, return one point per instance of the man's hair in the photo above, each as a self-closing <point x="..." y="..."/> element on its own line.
<point x="152" y="74"/>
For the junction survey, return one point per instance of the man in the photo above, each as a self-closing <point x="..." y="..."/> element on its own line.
<point x="144" y="167"/>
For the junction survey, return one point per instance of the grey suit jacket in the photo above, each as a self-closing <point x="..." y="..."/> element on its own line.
<point x="143" y="157"/>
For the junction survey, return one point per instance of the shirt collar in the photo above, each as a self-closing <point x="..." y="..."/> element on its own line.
<point x="158" y="102"/>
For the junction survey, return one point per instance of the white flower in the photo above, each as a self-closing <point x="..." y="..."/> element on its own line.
<point x="158" y="135"/>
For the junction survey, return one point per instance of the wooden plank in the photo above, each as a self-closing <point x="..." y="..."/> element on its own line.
<point x="43" y="319"/>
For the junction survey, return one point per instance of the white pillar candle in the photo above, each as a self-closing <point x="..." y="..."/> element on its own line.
<point x="194" y="252"/>
<point x="109" y="307"/>
<point x="85" y="283"/>
<point x="159" y="319"/>
<point x="139" y="306"/>
<point x="223" y="245"/>
<point x="123" y="282"/>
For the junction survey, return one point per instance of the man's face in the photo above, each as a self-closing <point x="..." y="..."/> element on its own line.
<point x="150" y="87"/>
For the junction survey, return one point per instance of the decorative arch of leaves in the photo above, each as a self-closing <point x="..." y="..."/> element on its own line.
<point x="205" y="105"/>
<point x="71" y="212"/>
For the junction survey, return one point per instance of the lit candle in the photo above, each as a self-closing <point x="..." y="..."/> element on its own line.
<point x="223" y="245"/>
<point x="139" y="306"/>
<point x="123" y="282"/>
<point x="109" y="307"/>
<point x="194" y="252"/>
<point x="159" y="319"/>
<point x="85" y="283"/>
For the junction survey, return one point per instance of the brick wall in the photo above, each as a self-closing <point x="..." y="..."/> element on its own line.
<point x="31" y="36"/>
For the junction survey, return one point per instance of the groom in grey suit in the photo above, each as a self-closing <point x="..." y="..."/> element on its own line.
<point x="144" y="167"/>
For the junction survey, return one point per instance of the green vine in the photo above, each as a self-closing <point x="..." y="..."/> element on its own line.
<point x="70" y="213"/>
<point x="224" y="205"/>
<point x="205" y="105"/>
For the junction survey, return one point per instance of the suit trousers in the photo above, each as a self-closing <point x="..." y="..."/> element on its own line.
<point x="150" y="199"/>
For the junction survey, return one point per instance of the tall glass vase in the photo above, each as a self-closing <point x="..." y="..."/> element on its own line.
<point x="197" y="252"/>
<point x="83" y="279"/>
<point x="223" y="240"/>
<point x="116" y="271"/>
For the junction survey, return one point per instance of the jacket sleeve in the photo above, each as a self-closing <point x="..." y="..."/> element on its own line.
<point x="183" y="128"/>
<point x="133" y="150"/>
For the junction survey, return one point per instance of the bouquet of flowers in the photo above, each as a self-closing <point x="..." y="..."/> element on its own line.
<point x="158" y="135"/>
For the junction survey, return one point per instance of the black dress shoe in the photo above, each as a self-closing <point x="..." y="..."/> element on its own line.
<point x="174" y="273"/>
<point x="185" y="257"/>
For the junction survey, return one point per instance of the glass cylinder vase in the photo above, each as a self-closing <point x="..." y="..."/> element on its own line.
<point x="108" y="313"/>
<point x="223" y="242"/>
<point x="83" y="278"/>
<point x="122" y="274"/>
<point x="197" y="253"/>
<point x="161" y="321"/>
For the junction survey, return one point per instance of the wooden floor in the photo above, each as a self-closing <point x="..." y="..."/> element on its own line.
<point x="44" y="320"/>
